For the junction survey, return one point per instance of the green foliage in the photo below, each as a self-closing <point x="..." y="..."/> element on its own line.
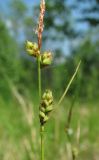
<point x="61" y="18"/>
<point x="14" y="131"/>
<point x="89" y="11"/>
<point x="18" y="8"/>
<point x="9" y="57"/>
<point x="8" y="51"/>
<point x="89" y="76"/>
<point x="17" y="15"/>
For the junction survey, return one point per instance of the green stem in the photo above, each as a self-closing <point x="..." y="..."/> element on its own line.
<point x="39" y="78"/>
<point x="41" y="127"/>
<point x="42" y="142"/>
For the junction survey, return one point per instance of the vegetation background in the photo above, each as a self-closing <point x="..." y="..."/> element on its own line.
<point x="71" y="32"/>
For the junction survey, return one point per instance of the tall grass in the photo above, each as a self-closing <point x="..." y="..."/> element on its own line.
<point x="44" y="58"/>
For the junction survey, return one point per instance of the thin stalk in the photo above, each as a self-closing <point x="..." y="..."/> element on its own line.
<point x="42" y="142"/>
<point x="40" y="30"/>
<point x="73" y="157"/>
<point x="41" y="127"/>
<point x="39" y="78"/>
<point x="69" y="84"/>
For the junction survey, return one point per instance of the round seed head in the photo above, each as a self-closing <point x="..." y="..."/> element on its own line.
<point x="32" y="48"/>
<point x="46" y="58"/>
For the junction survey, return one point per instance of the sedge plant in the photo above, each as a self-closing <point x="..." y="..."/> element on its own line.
<point x="44" y="58"/>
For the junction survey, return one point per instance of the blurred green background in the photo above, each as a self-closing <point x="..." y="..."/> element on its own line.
<point x="71" y="32"/>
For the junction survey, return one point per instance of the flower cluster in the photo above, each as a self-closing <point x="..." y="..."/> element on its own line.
<point x="46" y="106"/>
<point x="46" y="58"/>
<point x="33" y="50"/>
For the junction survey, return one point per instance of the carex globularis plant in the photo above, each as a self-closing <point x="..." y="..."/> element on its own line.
<point x="44" y="58"/>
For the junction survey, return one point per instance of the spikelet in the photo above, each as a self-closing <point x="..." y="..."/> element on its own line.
<point x="32" y="49"/>
<point x="46" y="58"/>
<point x="46" y="106"/>
<point x="41" y="23"/>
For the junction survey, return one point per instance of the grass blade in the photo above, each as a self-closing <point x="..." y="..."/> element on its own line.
<point x="69" y="84"/>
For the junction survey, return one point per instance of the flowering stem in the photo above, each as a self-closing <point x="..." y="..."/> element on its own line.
<point x="42" y="142"/>
<point x="40" y="30"/>
<point x="39" y="78"/>
<point x="41" y="127"/>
